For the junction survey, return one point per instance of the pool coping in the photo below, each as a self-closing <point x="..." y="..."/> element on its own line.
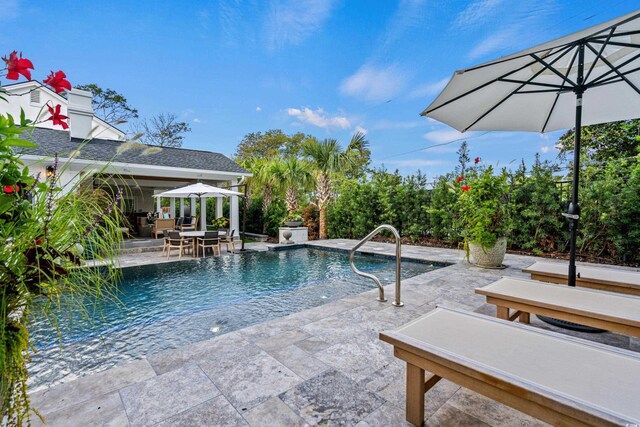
<point x="365" y="253"/>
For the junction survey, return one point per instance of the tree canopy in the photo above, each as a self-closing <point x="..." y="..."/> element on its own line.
<point x="605" y="141"/>
<point x="110" y="105"/>
<point x="269" y="144"/>
<point x="163" y="130"/>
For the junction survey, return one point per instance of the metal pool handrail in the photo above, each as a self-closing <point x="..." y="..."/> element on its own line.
<point x="369" y="236"/>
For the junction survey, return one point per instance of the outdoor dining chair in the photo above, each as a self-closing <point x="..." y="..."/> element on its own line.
<point x="228" y="240"/>
<point x="209" y="241"/>
<point x="189" y="223"/>
<point x="165" y="241"/>
<point x="178" y="242"/>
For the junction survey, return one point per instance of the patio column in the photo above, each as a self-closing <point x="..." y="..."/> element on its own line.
<point x="181" y="206"/>
<point x="192" y="207"/>
<point x="158" y="204"/>
<point x="234" y="222"/>
<point x="219" y="207"/>
<point x="203" y="214"/>
<point x="172" y="207"/>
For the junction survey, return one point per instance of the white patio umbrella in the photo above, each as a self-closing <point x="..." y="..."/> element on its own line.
<point x="199" y="190"/>
<point x="589" y="77"/>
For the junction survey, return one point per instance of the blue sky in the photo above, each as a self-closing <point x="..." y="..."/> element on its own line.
<point x="323" y="67"/>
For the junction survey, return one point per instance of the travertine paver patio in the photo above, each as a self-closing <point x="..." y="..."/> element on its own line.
<point x="320" y="366"/>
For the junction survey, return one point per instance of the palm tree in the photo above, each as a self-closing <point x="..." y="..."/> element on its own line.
<point x="294" y="175"/>
<point x="328" y="160"/>
<point x="264" y="178"/>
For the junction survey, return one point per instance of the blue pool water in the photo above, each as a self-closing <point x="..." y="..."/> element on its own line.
<point x="175" y="304"/>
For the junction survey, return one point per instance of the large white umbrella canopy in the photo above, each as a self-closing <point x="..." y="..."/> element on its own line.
<point x="588" y="77"/>
<point x="534" y="90"/>
<point x="198" y="190"/>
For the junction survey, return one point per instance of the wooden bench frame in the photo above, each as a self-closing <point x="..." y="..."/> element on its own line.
<point x="523" y="308"/>
<point x="601" y="284"/>
<point x="544" y="404"/>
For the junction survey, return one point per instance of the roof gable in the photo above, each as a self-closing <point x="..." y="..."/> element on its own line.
<point x="51" y="142"/>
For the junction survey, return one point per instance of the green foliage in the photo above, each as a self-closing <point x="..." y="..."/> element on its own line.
<point x="218" y="223"/>
<point x="463" y="157"/>
<point x="524" y="205"/>
<point x="627" y="226"/>
<point x="610" y="209"/>
<point x="272" y="143"/>
<point x="50" y="233"/>
<point x="355" y="212"/>
<point x="443" y="210"/>
<point x="605" y="141"/>
<point x="535" y="208"/>
<point x="483" y="205"/>
<point x="255" y="219"/>
<point x="387" y="198"/>
<point x="276" y="214"/>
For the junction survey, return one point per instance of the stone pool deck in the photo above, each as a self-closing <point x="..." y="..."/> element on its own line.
<point x="323" y="366"/>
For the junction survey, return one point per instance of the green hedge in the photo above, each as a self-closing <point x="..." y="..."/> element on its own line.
<point x="609" y="197"/>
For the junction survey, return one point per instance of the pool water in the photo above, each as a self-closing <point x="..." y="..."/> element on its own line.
<point x="171" y="305"/>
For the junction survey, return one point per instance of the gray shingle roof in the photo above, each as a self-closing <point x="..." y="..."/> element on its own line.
<point x="52" y="141"/>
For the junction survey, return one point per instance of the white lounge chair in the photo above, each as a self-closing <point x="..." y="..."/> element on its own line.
<point x="559" y="379"/>
<point x="603" y="278"/>
<point x="605" y="310"/>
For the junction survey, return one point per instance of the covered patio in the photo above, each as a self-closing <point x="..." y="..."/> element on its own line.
<point x="141" y="171"/>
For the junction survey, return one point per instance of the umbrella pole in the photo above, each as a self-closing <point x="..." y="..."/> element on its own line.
<point x="573" y="213"/>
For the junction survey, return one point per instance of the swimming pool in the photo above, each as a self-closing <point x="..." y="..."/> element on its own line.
<point x="175" y="304"/>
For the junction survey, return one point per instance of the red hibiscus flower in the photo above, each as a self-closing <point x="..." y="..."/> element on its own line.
<point x="17" y="66"/>
<point x="477" y="160"/>
<point x="8" y="189"/>
<point x="58" y="81"/>
<point x="56" y="117"/>
<point x="460" y="178"/>
<point x="466" y="188"/>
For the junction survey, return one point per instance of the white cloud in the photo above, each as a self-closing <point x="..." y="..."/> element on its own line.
<point x="429" y="89"/>
<point x="258" y="109"/>
<point x="545" y="148"/>
<point x="361" y="130"/>
<point x="232" y="21"/>
<point x="319" y="118"/>
<point x="408" y="15"/>
<point x="290" y="22"/>
<point x="442" y="136"/>
<point x="508" y="24"/>
<point x="476" y="13"/>
<point x="375" y="84"/>
<point x="497" y="41"/>
<point x="197" y="120"/>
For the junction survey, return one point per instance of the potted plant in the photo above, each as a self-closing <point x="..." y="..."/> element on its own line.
<point x="483" y="207"/>
<point x="219" y="223"/>
<point x="293" y="220"/>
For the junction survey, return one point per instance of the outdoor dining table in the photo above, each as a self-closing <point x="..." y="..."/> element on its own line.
<point x="193" y="235"/>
